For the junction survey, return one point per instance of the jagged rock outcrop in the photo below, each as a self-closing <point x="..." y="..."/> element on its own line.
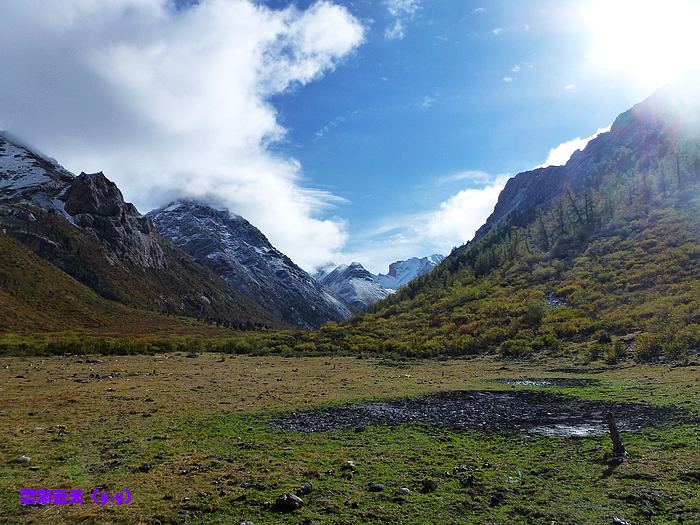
<point x="97" y="206"/>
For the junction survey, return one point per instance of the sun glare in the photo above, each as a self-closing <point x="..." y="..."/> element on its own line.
<point x="650" y="41"/>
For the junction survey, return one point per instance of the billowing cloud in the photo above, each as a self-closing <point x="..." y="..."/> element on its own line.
<point x="457" y="219"/>
<point x="175" y="102"/>
<point x="561" y="154"/>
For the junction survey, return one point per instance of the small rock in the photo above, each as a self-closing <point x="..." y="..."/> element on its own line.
<point x="349" y="465"/>
<point x="289" y="502"/>
<point x="429" y="485"/>
<point x="376" y="487"/>
<point x="403" y="491"/>
<point x="305" y="489"/>
<point x="246" y="523"/>
<point x="618" y="521"/>
<point x="23" y="460"/>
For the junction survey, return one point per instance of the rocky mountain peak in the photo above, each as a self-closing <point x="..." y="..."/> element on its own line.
<point x="243" y="256"/>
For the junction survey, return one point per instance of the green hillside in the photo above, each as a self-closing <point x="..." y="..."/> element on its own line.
<point x="37" y="298"/>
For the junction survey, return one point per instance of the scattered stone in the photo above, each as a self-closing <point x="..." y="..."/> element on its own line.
<point x="305" y="489"/>
<point x="23" y="460"/>
<point x="349" y="465"/>
<point x="403" y="491"/>
<point x="618" y="521"/>
<point x="429" y="485"/>
<point x="376" y="487"/>
<point x="246" y="523"/>
<point x="143" y="468"/>
<point x="457" y="470"/>
<point x="289" y="502"/>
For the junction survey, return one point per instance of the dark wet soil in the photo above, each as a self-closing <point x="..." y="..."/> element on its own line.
<point x="555" y="381"/>
<point x="518" y="411"/>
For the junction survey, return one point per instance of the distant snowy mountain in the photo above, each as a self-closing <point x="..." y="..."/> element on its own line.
<point x="403" y="272"/>
<point x="361" y="289"/>
<point x="240" y="253"/>
<point x="354" y="284"/>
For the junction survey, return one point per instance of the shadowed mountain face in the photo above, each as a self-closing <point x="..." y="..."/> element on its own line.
<point x="659" y="135"/>
<point x="83" y="226"/>
<point x="238" y="252"/>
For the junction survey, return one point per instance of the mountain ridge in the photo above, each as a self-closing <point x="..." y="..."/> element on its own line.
<point x="83" y="226"/>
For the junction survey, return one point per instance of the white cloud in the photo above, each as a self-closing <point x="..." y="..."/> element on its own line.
<point x="396" y="31"/>
<point x="508" y="79"/>
<point x="515" y="69"/>
<point x="457" y="219"/>
<point x="402" y="7"/>
<point x="451" y="223"/>
<point x="561" y="154"/>
<point x="173" y="103"/>
<point x="479" y="11"/>
<point x="570" y="87"/>
<point x="427" y="102"/>
<point x="497" y="31"/>
<point x="400" y="11"/>
<point x="476" y="177"/>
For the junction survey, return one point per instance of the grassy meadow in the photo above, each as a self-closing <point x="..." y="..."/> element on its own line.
<point x="191" y="437"/>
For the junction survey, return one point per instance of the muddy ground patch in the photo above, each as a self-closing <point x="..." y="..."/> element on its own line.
<point x="518" y="411"/>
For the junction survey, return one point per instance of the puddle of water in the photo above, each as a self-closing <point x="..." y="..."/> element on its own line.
<point x="537" y="412"/>
<point x="567" y="431"/>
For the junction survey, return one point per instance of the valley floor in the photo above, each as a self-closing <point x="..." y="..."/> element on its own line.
<point x="198" y="440"/>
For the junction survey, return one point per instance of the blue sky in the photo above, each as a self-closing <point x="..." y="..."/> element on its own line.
<point x="360" y="130"/>
<point x="472" y="86"/>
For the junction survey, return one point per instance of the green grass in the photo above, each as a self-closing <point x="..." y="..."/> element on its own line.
<point x="211" y="418"/>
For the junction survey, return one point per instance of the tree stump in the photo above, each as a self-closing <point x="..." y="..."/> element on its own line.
<point x="618" y="448"/>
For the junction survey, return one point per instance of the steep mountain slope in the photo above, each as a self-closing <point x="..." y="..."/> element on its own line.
<point x="38" y="298"/>
<point x="238" y="252"/>
<point x="354" y="284"/>
<point x="600" y="256"/>
<point x="83" y="226"/>
<point x="403" y="272"/>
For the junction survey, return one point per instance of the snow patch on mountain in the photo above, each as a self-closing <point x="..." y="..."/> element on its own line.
<point x="403" y="272"/>
<point x="354" y="284"/>
<point x="361" y="289"/>
<point x="30" y="177"/>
